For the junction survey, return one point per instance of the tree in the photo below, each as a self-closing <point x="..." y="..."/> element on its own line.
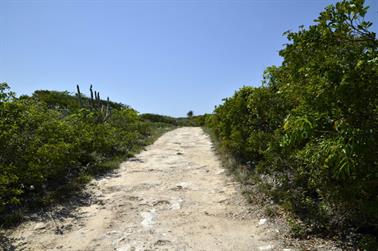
<point x="190" y="114"/>
<point x="5" y="93"/>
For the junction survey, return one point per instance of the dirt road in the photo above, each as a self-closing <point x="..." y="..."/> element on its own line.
<point x="173" y="196"/>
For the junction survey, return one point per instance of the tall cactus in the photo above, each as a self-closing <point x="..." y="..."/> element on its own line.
<point x="97" y="105"/>
<point x="91" y="102"/>
<point x="107" y="112"/>
<point x="98" y="99"/>
<point x="95" y="100"/>
<point x="79" y="96"/>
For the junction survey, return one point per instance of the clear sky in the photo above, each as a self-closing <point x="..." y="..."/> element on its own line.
<point x="164" y="57"/>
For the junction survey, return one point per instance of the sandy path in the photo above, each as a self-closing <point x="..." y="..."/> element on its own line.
<point x="173" y="196"/>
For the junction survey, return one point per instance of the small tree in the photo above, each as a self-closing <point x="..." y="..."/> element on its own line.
<point x="5" y="93"/>
<point x="190" y="114"/>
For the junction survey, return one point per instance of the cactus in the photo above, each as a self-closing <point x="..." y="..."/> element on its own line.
<point x="108" y="108"/>
<point x="107" y="111"/>
<point x="79" y="96"/>
<point x="97" y="105"/>
<point x="95" y="100"/>
<point x="91" y="102"/>
<point x="98" y="99"/>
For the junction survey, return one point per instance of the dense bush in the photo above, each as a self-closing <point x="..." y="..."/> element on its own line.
<point x="312" y="127"/>
<point x="157" y="118"/>
<point x="47" y="140"/>
<point x="198" y="120"/>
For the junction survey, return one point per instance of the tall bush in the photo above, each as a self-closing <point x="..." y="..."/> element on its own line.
<point x="312" y="126"/>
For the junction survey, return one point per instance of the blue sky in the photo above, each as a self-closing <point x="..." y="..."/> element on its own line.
<point x="164" y="57"/>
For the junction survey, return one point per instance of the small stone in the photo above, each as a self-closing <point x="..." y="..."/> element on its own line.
<point x="268" y="247"/>
<point x="262" y="221"/>
<point x="39" y="226"/>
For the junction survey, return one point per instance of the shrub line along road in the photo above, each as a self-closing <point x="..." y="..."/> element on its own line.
<point x="172" y="196"/>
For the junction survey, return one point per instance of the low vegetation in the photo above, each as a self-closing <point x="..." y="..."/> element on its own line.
<point x="191" y="120"/>
<point x="309" y="133"/>
<point x="53" y="142"/>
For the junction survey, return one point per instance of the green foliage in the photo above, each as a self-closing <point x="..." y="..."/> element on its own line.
<point x="198" y="120"/>
<point x="57" y="100"/>
<point x="312" y="126"/>
<point x="64" y="101"/>
<point x="47" y="141"/>
<point x="5" y="94"/>
<point x="245" y="123"/>
<point x="150" y="117"/>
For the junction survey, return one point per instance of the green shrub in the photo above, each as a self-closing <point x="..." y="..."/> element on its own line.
<point x="48" y="142"/>
<point x="312" y="127"/>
